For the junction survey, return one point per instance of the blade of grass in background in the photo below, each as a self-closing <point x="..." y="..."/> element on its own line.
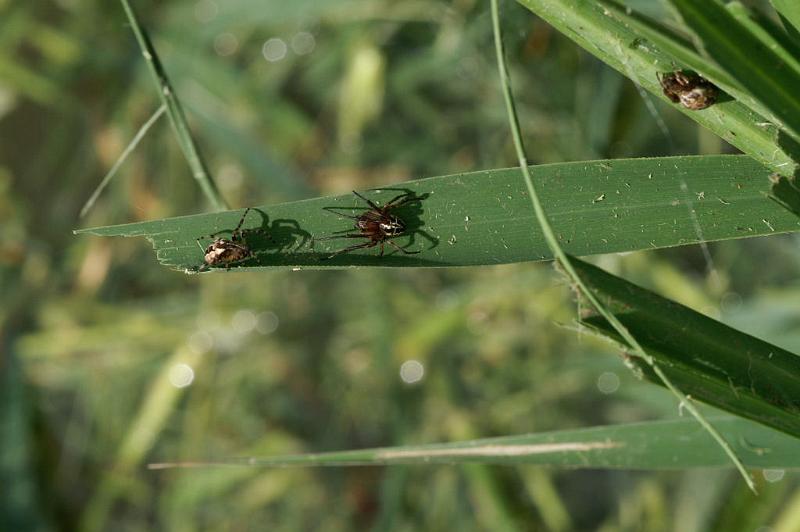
<point x="757" y="67"/>
<point x="175" y="112"/>
<point x="160" y="400"/>
<point x="674" y="444"/>
<point x="790" y="12"/>
<point x="712" y="362"/>
<point x="116" y="166"/>
<point x="773" y="36"/>
<point x="484" y="218"/>
<point x="784" y="190"/>
<point x="20" y="505"/>
<point x="623" y="48"/>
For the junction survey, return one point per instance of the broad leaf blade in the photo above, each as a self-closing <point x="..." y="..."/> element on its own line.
<point x="704" y="358"/>
<point x="676" y="444"/>
<point x="683" y="53"/>
<point x="485" y="217"/>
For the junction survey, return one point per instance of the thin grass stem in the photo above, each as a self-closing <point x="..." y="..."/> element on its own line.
<point x="175" y="111"/>
<point x="128" y="150"/>
<point x="565" y="260"/>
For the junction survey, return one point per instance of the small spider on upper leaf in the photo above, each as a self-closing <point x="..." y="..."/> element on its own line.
<point x="689" y="89"/>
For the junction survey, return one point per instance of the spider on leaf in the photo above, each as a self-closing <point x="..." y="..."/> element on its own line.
<point x="228" y="251"/>
<point x="379" y="225"/>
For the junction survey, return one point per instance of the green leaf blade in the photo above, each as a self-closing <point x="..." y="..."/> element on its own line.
<point x="759" y="69"/>
<point x="617" y="41"/>
<point x="656" y="445"/>
<point x="484" y="218"/>
<point x="790" y="12"/>
<point x="706" y="359"/>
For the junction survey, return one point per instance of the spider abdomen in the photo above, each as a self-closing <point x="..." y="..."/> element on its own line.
<point x="223" y="251"/>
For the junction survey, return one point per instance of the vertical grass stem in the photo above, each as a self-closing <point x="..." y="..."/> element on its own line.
<point x="175" y="112"/>
<point x="565" y="260"/>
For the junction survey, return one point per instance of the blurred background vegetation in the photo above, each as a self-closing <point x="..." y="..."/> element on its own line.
<point x="110" y="361"/>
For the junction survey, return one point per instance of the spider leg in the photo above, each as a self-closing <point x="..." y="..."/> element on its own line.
<point x="201" y="245"/>
<point x="409" y="197"/>
<point x="338" y="232"/>
<point x="352" y="235"/>
<point x="334" y="209"/>
<point x="369" y="202"/>
<point x="236" y="234"/>
<point x="401" y="249"/>
<point x="242" y="220"/>
<point x="212" y="236"/>
<point x="382" y="243"/>
<point x="352" y="248"/>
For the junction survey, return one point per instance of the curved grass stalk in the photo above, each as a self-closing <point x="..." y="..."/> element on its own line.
<point x="125" y="153"/>
<point x="566" y="261"/>
<point x="178" y="120"/>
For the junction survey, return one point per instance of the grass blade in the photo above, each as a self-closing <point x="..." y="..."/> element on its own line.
<point x="674" y="444"/>
<point x="159" y="402"/>
<point x="178" y="120"/>
<point x="758" y="68"/>
<point x="712" y="362"/>
<point x="785" y="192"/>
<point x="768" y="32"/>
<point x="483" y="218"/>
<point x="683" y="53"/>
<point x="619" y="44"/>
<point x="126" y="152"/>
<point x="790" y="12"/>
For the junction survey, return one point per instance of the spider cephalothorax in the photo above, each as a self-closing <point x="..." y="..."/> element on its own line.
<point x="379" y="225"/>
<point x="690" y="90"/>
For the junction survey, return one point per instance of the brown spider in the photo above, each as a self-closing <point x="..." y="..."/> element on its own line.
<point x="687" y="88"/>
<point x="224" y="251"/>
<point x="378" y="225"/>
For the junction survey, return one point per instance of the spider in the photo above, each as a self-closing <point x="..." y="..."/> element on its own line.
<point x="225" y="252"/>
<point x="690" y="90"/>
<point x="378" y="225"/>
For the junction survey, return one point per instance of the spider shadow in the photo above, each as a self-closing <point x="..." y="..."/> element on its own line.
<point x="283" y="235"/>
<point x="273" y="239"/>
<point x="409" y="210"/>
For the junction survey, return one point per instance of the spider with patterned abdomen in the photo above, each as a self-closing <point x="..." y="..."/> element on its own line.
<point x="379" y="225"/>
<point x="689" y="89"/>
<point x="228" y="251"/>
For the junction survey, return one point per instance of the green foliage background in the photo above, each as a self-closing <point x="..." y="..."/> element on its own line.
<point x="293" y="362"/>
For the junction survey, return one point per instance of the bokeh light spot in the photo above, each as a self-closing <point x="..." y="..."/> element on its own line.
<point x="608" y="382"/>
<point x="773" y="475"/>
<point x="412" y="371"/>
<point x="267" y="322"/>
<point x="200" y="342"/>
<point x="226" y="44"/>
<point x="181" y="375"/>
<point x="244" y="321"/>
<point x="274" y="50"/>
<point x="303" y="43"/>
